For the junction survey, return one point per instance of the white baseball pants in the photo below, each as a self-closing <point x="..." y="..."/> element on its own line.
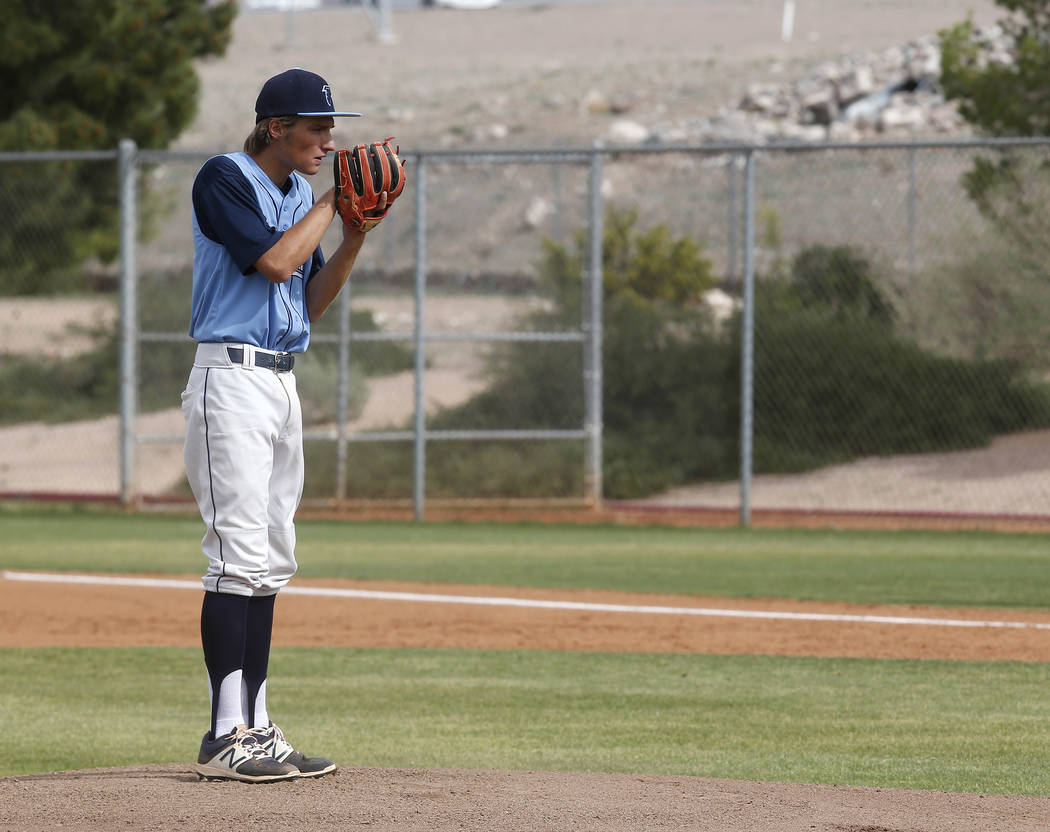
<point x="244" y="463"/>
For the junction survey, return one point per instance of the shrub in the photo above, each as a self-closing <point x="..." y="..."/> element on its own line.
<point x="828" y="390"/>
<point x="839" y="279"/>
<point x="833" y="381"/>
<point x="662" y="368"/>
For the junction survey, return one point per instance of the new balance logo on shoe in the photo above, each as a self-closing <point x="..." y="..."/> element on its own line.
<point x="239" y="756"/>
<point x="232" y="758"/>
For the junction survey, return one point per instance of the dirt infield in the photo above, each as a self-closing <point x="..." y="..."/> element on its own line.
<point x="170" y="796"/>
<point x="34" y="614"/>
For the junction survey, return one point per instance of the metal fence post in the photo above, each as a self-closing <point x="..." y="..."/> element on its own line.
<point x="419" y="469"/>
<point x="912" y="209"/>
<point x="127" y="172"/>
<point x="342" y="393"/>
<point x="559" y="199"/>
<point x="747" y="344"/>
<point x="592" y="326"/>
<point x="379" y="12"/>
<point x="733" y="217"/>
<point x="386" y="27"/>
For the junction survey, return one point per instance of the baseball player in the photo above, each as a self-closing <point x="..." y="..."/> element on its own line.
<point x="259" y="279"/>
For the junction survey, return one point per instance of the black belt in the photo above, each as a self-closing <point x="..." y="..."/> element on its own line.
<point x="280" y="362"/>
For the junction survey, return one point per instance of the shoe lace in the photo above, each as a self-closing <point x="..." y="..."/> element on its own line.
<point x="269" y="733"/>
<point x="246" y="739"/>
<point x="272" y="739"/>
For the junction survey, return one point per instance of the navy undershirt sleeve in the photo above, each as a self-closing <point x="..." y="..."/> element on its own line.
<point x="316" y="262"/>
<point x="228" y="214"/>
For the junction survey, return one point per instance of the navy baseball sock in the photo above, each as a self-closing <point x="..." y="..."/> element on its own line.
<point x="224" y="625"/>
<point x="256" y="660"/>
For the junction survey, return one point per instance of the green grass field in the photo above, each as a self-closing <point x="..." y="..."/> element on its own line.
<point x="961" y="726"/>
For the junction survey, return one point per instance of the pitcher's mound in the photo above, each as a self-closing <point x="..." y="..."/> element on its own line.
<point x="403" y="800"/>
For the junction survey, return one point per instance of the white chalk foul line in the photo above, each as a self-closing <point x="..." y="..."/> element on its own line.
<point x="419" y="597"/>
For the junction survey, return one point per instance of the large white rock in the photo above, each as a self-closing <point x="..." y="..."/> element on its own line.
<point x="467" y="4"/>
<point x="855" y="84"/>
<point x="623" y="131"/>
<point x="902" y="115"/>
<point x="537" y="211"/>
<point x="720" y="303"/>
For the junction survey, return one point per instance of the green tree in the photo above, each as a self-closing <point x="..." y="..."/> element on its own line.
<point x="83" y="75"/>
<point x="663" y="366"/>
<point x="1009" y="186"/>
<point x="1003" y="99"/>
<point x="647" y="267"/>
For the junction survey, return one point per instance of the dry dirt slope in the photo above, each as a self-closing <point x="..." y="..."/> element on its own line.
<point x="453" y="74"/>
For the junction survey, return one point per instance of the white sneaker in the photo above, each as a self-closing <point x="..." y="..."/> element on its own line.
<point x="239" y="755"/>
<point x="273" y="742"/>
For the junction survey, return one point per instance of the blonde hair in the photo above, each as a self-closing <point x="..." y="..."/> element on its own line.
<point x="260" y="138"/>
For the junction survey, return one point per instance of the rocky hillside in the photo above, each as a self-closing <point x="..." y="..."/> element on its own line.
<point x="894" y="93"/>
<point x="624" y="71"/>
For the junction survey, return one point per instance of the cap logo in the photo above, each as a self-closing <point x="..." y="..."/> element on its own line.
<point x="327" y="92"/>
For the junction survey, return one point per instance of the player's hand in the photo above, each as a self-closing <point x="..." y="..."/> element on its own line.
<point x="371" y="218"/>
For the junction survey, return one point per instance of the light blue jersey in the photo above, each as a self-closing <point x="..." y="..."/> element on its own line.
<point x="238" y="215"/>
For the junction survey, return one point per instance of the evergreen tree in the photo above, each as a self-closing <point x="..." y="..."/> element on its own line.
<point x="78" y="76"/>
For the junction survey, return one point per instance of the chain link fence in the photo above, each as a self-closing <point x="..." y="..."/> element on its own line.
<point x="872" y="339"/>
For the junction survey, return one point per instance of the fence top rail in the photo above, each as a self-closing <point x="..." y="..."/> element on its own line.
<point x="913" y="144"/>
<point x="58" y="155"/>
<point x="584" y="154"/>
<point x="578" y="154"/>
<point x="564" y="154"/>
<point x="479" y="156"/>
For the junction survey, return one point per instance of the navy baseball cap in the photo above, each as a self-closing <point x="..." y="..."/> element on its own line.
<point x="296" y="92"/>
